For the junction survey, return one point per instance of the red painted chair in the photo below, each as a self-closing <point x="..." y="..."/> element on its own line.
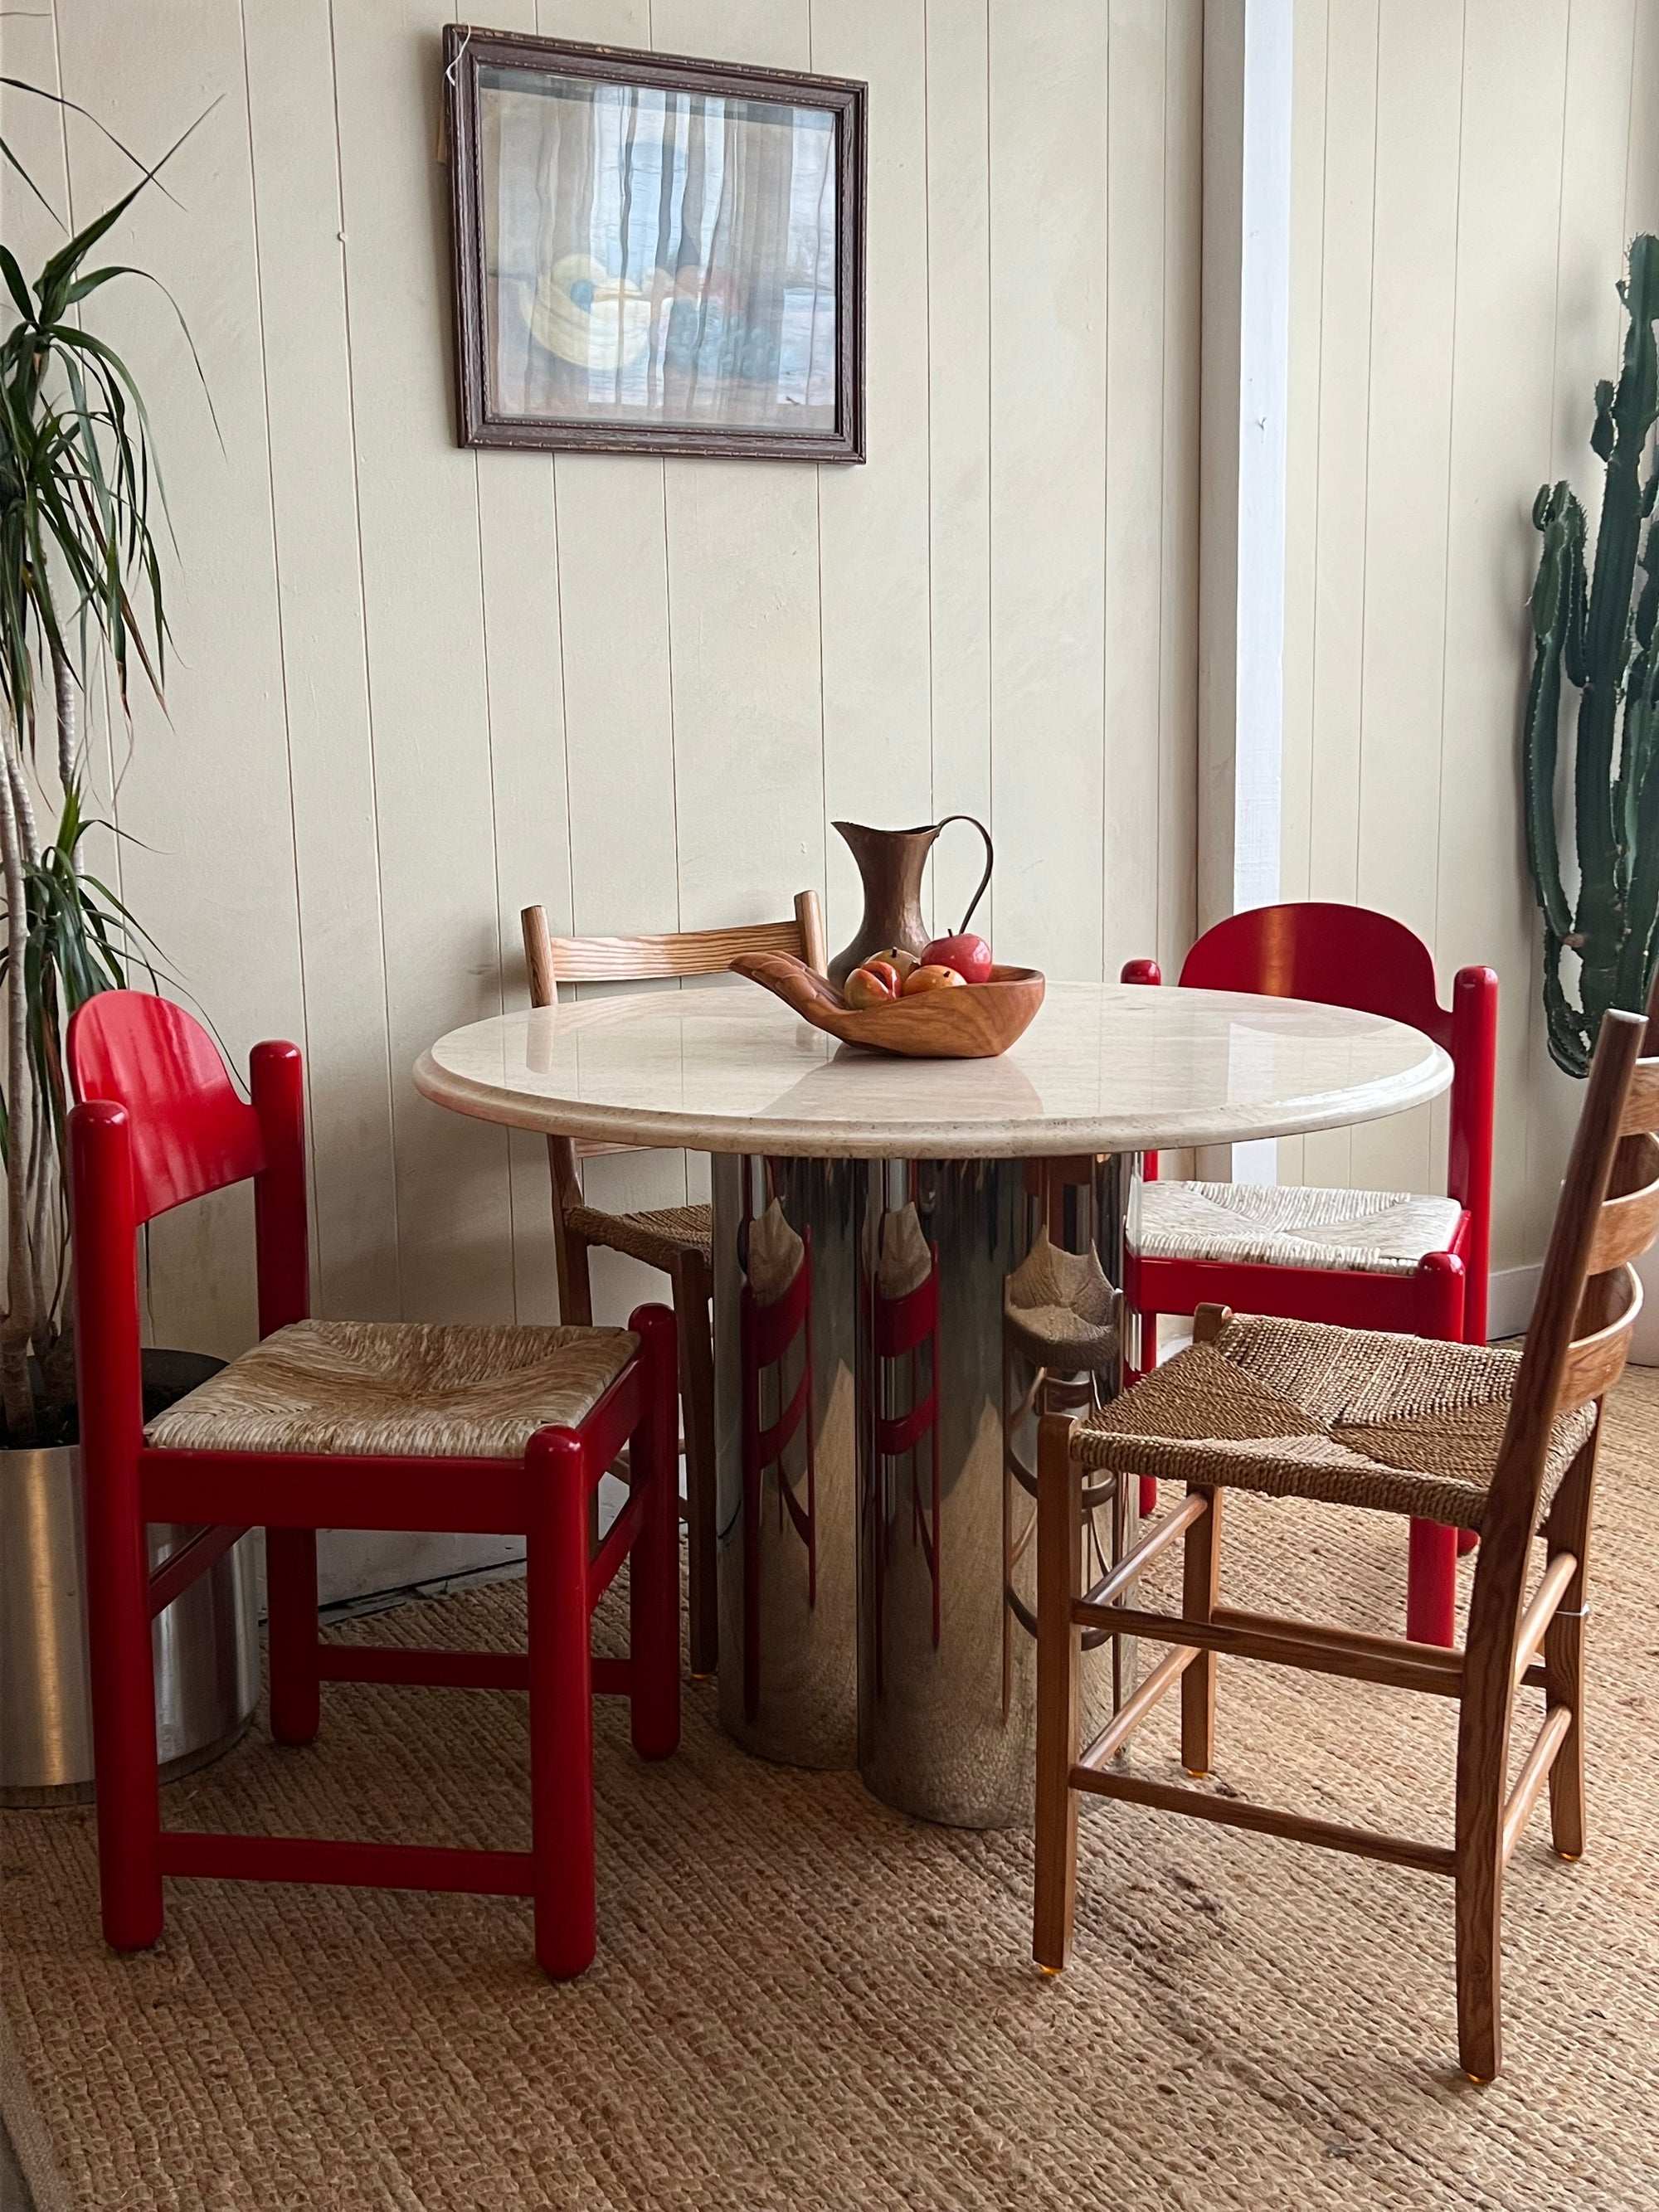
<point x="1414" y="1265"/>
<point x="352" y="1424"/>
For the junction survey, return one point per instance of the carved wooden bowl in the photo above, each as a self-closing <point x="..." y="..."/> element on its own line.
<point x="978" y="1022"/>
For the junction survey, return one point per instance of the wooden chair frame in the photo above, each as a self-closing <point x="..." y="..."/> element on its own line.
<point x="554" y="960"/>
<point x="1588" y="1301"/>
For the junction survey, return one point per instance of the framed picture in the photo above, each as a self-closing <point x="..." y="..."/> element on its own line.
<point x="654" y="254"/>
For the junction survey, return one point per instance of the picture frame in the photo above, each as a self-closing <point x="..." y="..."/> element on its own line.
<point x="654" y="253"/>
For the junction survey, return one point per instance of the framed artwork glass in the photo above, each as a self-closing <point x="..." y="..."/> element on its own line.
<point x="653" y="254"/>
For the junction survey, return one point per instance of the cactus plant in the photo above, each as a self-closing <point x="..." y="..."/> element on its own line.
<point x="1589" y="631"/>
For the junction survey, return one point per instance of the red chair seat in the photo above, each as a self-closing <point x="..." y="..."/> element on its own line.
<point x="412" y="1389"/>
<point x="1375" y="1232"/>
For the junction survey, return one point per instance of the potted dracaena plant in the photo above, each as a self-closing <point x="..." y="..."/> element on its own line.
<point x="80" y="578"/>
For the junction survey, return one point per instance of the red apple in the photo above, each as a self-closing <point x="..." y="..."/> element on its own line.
<point x="969" y="955"/>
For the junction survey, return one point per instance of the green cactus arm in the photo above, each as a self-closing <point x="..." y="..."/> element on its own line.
<point x="1624" y="422"/>
<point x="1642" y="908"/>
<point x="1564" y="1025"/>
<point x="1541" y="730"/>
<point x="1572" y="643"/>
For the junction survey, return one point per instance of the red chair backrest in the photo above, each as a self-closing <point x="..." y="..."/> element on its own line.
<point x="1337" y="955"/>
<point x="152" y="1089"/>
<point x="189" y="1131"/>
<point x="1351" y="956"/>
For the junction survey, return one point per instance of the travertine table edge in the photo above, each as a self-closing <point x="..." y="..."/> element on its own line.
<point x="870" y="1106"/>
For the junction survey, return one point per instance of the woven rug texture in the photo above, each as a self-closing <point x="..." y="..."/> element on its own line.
<point x="804" y="2001"/>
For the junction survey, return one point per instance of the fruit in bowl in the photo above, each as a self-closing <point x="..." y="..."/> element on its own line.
<point x="968" y="955"/>
<point x="876" y="984"/>
<point x="932" y="976"/>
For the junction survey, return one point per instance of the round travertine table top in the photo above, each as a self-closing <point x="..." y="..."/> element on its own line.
<point x="1105" y="1067"/>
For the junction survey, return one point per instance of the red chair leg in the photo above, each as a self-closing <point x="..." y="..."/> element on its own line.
<point x="1432" y="1583"/>
<point x="654" y="1567"/>
<point x="291" y="1613"/>
<point x="124" y="1715"/>
<point x="560" y="1702"/>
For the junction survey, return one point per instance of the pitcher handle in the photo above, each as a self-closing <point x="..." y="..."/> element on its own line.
<point x="990" y="861"/>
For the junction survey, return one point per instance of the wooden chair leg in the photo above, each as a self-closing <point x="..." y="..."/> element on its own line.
<point x="291" y="1615"/>
<point x="1060" y="1569"/>
<point x="560" y="1703"/>
<point x="1479" y="1912"/>
<point x="1483" y="1754"/>
<point x="1201" y="1588"/>
<point x="696" y="1346"/>
<point x="576" y="1284"/>
<point x="653" y="1576"/>
<point x="1568" y="1529"/>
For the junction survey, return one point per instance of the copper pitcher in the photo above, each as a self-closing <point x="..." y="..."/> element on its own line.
<point x="891" y="862"/>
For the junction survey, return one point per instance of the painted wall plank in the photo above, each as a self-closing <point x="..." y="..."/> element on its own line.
<point x="958" y="447"/>
<point x="206" y="798"/>
<point x="874" y="519"/>
<point x="1177" y="613"/>
<point x="305" y="351"/>
<point x="743" y="588"/>
<point x="1512" y="124"/>
<point x="1345" y="393"/>
<point x="1134" y="473"/>
<point x="1419" y="60"/>
<point x="418" y="498"/>
<point x="1048" y="479"/>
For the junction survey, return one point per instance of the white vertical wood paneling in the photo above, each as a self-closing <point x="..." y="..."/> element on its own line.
<point x="417" y="687"/>
<point x="1134" y="474"/>
<point x="1419" y="70"/>
<point x="307" y="391"/>
<point x="206" y="802"/>
<point x="1048" y="241"/>
<point x="1466" y="182"/>
<point x="958" y="444"/>
<point x="873" y="520"/>
<point x="1177" y="606"/>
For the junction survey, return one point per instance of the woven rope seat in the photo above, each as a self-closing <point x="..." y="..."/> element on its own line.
<point x="1378" y="1232"/>
<point x="408" y="1389"/>
<point x="657" y="1238"/>
<point x="1060" y="1311"/>
<point x="1350" y="1417"/>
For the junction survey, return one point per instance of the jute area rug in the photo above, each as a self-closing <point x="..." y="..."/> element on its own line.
<point x="802" y="2000"/>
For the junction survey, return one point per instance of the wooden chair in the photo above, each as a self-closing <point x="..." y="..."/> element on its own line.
<point x="1490" y="1440"/>
<point x="1367" y="1259"/>
<point x="675" y="1239"/>
<point x="354" y="1424"/>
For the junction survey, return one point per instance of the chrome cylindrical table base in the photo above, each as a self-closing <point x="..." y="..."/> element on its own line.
<point x="876" y="1426"/>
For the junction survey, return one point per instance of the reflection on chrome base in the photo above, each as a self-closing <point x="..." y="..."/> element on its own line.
<point x="888" y="1333"/>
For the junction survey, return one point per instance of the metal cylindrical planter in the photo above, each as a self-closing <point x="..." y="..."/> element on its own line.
<point x="206" y="1643"/>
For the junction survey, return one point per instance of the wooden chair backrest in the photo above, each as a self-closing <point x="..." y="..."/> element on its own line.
<point x="1588" y="1296"/>
<point x="555" y="960"/>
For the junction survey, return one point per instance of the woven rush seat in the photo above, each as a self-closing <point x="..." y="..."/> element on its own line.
<point x="1377" y="1233"/>
<point x="1060" y="1311"/>
<point x="657" y="1238"/>
<point x="404" y="1388"/>
<point x="1349" y="1417"/>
